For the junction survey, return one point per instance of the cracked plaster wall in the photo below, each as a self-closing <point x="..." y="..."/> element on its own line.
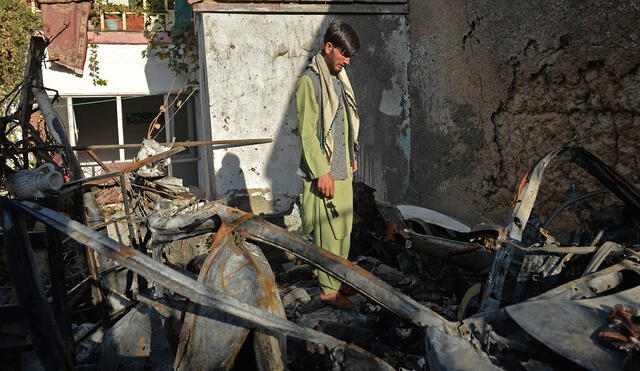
<point x="495" y="85"/>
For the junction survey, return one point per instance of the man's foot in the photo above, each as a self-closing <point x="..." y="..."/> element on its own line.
<point x="336" y="300"/>
<point x="347" y="290"/>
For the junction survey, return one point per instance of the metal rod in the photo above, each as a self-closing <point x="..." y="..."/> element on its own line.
<point x="183" y="144"/>
<point x="342" y="269"/>
<point x="133" y="166"/>
<point x="97" y="159"/>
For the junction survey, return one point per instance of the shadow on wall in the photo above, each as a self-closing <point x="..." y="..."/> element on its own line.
<point x="231" y="169"/>
<point x="378" y="74"/>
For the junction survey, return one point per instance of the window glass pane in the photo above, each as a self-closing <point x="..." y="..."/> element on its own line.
<point x="181" y="123"/>
<point x="137" y="115"/>
<point x="184" y="125"/>
<point x="97" y="123"/>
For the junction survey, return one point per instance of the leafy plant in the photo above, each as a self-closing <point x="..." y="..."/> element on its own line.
<point x="94" y="68"/>
<point x="17" y="23"/>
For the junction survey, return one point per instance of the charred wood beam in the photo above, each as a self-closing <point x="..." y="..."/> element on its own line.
<point x="183" y="285"/>
<point x="46" y="337"/>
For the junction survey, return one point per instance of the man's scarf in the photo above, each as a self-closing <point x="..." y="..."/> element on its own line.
<point x="330" y="103"/>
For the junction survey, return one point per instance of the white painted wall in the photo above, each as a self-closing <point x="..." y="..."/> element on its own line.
<point x="124" y="68"/>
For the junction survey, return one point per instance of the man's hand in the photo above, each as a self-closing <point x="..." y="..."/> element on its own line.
<point x="325" y="185"/>
<point x="355" y="166"/>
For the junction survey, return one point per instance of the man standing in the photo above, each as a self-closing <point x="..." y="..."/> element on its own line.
<point x="328" y="123"/>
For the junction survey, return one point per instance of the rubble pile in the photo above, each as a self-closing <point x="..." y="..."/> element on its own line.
<point x="184" y="283"/>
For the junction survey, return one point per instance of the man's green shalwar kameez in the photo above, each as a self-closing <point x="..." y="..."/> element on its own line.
<point x="329" y="231"/>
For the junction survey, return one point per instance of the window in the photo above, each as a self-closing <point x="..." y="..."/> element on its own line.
<point x="126" y="120"/>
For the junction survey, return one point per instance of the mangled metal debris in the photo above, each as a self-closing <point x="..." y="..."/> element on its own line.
<point x="240" y="294"/>
<point x="431" y="291"/>
<point x="557" y="279"/>
<point x="239" y="269"/>
<point x="176" y="282"/>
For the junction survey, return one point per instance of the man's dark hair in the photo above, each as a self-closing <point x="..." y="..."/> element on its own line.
<point x="343" y="36"/>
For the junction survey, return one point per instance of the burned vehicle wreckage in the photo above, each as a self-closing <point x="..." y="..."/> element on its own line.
<point x="177" y="282"/>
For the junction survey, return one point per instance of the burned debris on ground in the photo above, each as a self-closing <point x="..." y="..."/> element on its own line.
<point x="130" y="270"/>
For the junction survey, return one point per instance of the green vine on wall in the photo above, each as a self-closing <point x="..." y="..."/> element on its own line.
<point x="94" y="66"/>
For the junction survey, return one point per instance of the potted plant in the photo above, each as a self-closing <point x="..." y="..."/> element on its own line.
<point x="112" y="14"/>
<point x="112" y="22"/>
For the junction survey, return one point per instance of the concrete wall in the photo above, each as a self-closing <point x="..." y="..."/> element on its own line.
<point x="494" y="85"/>
<point x="252" y="63"/>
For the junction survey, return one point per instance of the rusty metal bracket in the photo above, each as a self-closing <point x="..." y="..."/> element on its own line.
<point x="227" y="228"/>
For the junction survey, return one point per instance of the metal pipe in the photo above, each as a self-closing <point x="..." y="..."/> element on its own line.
<point x="183" y="144"/>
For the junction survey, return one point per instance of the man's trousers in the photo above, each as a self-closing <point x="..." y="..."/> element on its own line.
<point x="330" y="222"/>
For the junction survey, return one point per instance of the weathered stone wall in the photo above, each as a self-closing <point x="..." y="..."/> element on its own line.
<point x="494" y="85"/>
